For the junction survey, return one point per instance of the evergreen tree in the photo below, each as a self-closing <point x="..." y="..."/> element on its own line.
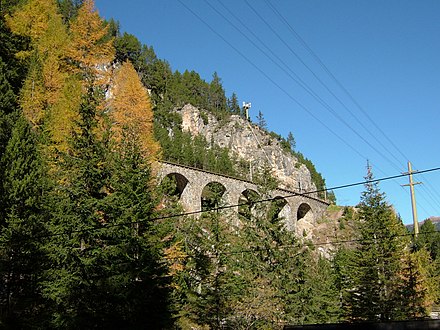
<point x="128" y="47"/>
<point x="217" y="99"/>
<point x="82" y="270"/>
<point x="419" y="288"/>
<point x="233" y="106"/>
<point x="142" y="280"/>
<point x="311" y="292"/>
<point x="69" y="9"/>
<point x="430" y="239"/>
<point x="281" y="279"/>
<point x="7" y="95"/>
<point x="344" y="262"/>
<point x="11" y="67"/>
<point x="261" y="122"/>
<point x="264" y="264"/>
<point x="108" y="251"/>
<point x="291" y="141"/>
<point x="377" y="263"/>
<point x="203" y="287"/>
<point x="157" y="76"/>
<point x="22" y="228"/>
<point x="7" y="105"/>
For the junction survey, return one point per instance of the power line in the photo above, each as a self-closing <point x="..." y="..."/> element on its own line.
<point x="329" y="90"/>
<point x="427" y="193"/>
<point x="300" y="81"/>
<point x="225" y="207"/>
<point x="271" y="80"/>
<point x="431" y="191"/>
<point x="296" y="78"/>
<point x="338" y="242"/>
<point x="333" y="77"/>
<point x="278" y="85"/>
<point x="291" y="74"/>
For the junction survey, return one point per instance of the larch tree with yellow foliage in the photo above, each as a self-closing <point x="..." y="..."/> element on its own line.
<point x="50" y="97"/>
<point x="41" y="22"/>
<point x="102" y="263"/>
<point x="90" y="51"/>
<point x="63" y="63"/>
<point x="131" y="113"/>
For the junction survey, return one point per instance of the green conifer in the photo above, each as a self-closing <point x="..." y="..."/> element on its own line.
<point x="22" y="229"/>
<point x="375" y="275"/>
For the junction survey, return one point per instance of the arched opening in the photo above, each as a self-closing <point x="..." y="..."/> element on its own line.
<point x="211" y="195"/>
<point x="304" y="211"/>
<point x="174" y="184"/>
<point x="276" y="209"/>
<point x="246" y="202"/>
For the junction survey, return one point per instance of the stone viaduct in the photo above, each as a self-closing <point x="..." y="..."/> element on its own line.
<point x="194" y="186"/>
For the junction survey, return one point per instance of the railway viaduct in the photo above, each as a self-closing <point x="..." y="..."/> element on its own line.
<point x="194" y="187"/>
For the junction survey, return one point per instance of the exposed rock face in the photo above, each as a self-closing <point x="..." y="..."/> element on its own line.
<point x="251" y="144"/>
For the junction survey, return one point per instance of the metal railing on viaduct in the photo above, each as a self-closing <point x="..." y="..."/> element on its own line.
<point x="192" y="185"/>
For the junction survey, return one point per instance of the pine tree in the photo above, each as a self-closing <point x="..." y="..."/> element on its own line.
<point x="128" y="48"/>
<point x="291" y="141"/>
<point x="233" y="106"/>
<point x="69" y="9"/>
<point x="22" y="229"/>
<point x="81" y="271"/>
<point x="344" y="262"/>
<point x="217" y="99"/>
<point x="430" y="239"/>
<point x="7" y="95"/>
<point x="11" y="44"/>
<point x="375" y="275"/>
<point x="419" y="285"/>
<point x="132" y="204"/>
<point x="261" y="122"/>
<point x="7" y="106"/>
<point x="264" y="264"/>
<point x="107" y="253"/>
<point x="199" y="290"/>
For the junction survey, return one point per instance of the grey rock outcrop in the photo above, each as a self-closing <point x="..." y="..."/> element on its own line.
<point x="250" y="144"/>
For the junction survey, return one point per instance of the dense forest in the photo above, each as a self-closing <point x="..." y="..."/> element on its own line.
<point x="89" y="239"/>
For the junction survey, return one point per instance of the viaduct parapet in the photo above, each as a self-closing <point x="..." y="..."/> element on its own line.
<point x="194" y="185"/>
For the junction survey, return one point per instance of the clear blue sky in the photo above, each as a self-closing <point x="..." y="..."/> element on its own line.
<point x="386" y="54"/>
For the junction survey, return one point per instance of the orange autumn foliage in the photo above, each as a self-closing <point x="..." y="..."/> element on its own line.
<point x="40" y="21"/>
<point x="131" y="112"/>
<point x="32" y="19"/>
<point x="90" y="49"/>
<point x="64" y="61"/>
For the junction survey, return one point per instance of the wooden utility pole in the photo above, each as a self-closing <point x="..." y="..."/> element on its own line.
<point x="413" y="198"/>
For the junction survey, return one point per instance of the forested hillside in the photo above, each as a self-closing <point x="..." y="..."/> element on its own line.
<point x="90" y="239"/>
<point x="171" y="90"/>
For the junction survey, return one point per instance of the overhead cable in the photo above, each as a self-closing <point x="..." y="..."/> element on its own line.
<point x="225" y="207"/>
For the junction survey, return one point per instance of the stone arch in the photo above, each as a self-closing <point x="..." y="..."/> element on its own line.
<point x="211" y="195"/>
<point x="304" y="212"/>
<point x="245" y="201"/>
<point x="178" y="183"/>
<point x="279" y="209"/>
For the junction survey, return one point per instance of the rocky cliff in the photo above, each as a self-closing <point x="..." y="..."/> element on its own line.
<point x="249" y="144"/>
